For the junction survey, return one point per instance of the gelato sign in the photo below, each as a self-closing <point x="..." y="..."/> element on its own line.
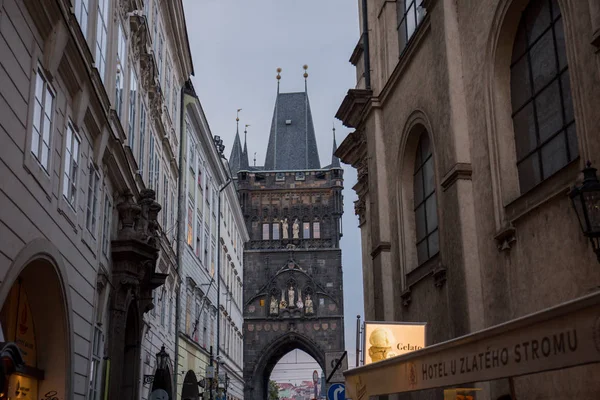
<point x="385" y="340"/>
<point x="560" y="337"/>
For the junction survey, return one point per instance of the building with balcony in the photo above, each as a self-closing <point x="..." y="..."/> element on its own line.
<point x="90" y="122"/>
<point x="472" y="122"/>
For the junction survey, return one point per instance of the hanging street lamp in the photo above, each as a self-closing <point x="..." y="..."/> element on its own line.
<point x="586" y="202"/>
<point x="162" y="359"/>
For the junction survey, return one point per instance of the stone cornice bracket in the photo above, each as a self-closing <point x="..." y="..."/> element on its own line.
<point x="459" y="171"/>
<point x="506" y="237"/>
<point x="350" y="110"/>
<point x="439" y="275"/>
<point x="406" y="297"/>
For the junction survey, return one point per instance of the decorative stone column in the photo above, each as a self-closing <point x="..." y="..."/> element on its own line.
<point x="134" y="255"/>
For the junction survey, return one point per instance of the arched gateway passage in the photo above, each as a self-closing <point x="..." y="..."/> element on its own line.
<point x="35" y="309"/>
<point x="274" y="352"/>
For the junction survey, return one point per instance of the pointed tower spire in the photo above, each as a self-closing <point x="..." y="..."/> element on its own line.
<point x="335" y="161"/>
<point x="244" y="163"/>
<point x="235" y="158"/>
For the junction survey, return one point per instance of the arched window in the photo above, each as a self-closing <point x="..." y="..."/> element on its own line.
<point x="426" y="221"/>
<point x="542" y="109"/>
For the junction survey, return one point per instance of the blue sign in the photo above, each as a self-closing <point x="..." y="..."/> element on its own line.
<point x="337" y="391"/>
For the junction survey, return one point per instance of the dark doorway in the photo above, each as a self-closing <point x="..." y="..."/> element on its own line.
<point x="131" y="354"/>
<point x="190" y="389"/>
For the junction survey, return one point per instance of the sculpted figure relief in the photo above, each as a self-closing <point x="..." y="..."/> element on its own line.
<point x="299" y="303"/>
<point x="285" y="228"/>
<point x="308" y="305"/>
<point x="274" y="307"/>
<point x="291" y="296"/>
<point x="296" y="229"/>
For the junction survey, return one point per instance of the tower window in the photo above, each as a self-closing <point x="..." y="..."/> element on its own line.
<point x="306" y="230"/>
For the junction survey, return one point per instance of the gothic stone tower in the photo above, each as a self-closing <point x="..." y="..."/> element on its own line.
<point x="293" y="294"/>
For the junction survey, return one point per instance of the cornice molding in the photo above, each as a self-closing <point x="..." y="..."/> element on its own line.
<point x="459" y="171"/>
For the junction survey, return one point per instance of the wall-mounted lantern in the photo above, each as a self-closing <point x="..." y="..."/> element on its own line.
<point x="586" y="202"/>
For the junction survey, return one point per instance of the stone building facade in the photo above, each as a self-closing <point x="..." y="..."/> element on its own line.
<point x="90" y="123"/>
<point x="293" y="290"/>
<point x="205" y="173"/>
<point x="472" y="121"/>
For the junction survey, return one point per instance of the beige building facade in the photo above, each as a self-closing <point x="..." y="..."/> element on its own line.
<point x="90" y="104"/>
<point x="473" y="119"/>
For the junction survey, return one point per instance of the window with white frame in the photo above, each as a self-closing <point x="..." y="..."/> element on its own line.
<point x="92" y="200"/>
<point x="206" y="248"/>
<point x="163" y="306"/>
<point x="172" y="228"/>
<point x="170" y="315"/>
<point x="95" y="383"/>
<point x="133" y="87"/>
<point x="192" y="152"/>
<point x="154" y="301"/>
<point x="81" y="13"/>
<point x="197" y="321"/>
<point x="167" y="90"/>
<point x="107" y="218"/>
<point x="159" y="57"/>
<point x="151" y="162"/>
<point x="43" y="112"/>
<point x="155" y="23"/>
<point x="190" y="225"/>
<point x="142" y="136"/>
<point x="165" y="210"/>
<point x="121" y="65"/>
<point x="205" y="330"/>
<point x="198" y="236"/>
<point x="175" y="99"/>
<point x="71" y="165"/>
<point x="156" y="170"/>
<point x="102" y="37"/>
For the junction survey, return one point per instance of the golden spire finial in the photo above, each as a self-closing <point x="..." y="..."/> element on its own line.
<point x="305" y="67"/>
<point x="279" y="73"/>
<point x="237" y="117"/>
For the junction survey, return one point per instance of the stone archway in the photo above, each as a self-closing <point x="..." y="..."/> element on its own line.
<point x="35" y="314"/>
<point x="190" y="389"/>
<point x="257" y="389"/>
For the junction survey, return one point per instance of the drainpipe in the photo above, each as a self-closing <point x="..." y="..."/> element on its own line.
<point x="367" y="58"/>
<point x="180" y="221"/>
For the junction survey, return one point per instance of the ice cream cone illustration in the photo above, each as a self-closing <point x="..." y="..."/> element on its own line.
<point x="380" y="341"/>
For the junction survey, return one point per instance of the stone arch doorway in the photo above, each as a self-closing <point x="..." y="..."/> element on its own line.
<point x="35" y="315"/>
<point x="257" y="389"/>
<point x="190" y="389"/>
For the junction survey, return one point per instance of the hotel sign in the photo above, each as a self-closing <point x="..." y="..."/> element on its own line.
<point x="383" y="340"/>
<point x="561" y="337"/>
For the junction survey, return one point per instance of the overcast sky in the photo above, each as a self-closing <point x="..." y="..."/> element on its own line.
<point x="237" y="46"/>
